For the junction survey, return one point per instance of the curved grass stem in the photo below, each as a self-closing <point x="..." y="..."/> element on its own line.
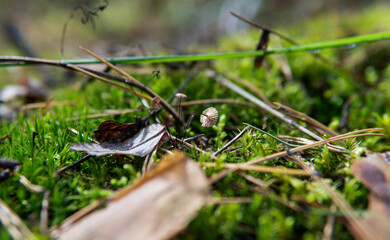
<point x="343" y="42"/>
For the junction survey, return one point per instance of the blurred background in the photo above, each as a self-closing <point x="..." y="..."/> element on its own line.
<point x="151" y="27"/>
<point x="35" y="27"/>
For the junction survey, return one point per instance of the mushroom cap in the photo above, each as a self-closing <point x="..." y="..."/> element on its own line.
<point x="155" y="102"/>
<point x="209" y="117"/>
<point x="180" y="95"/>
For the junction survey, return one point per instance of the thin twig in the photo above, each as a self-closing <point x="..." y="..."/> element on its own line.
<point x="98" y="75"/>
<point x="221" y="101"/>
<point x="230" y="200"/>
<point x="78" y="133"/>
<point x="274" y="197"/>
<point x="95" y="74"/>
<point x="136" y="83"/>
<point x="46" y="104"/>
<point x="251" y="87"/>
<point x="282" y="37"/>
<point x="319" y="127"/>
<point x="264" y="169"/>
<point x="44" y="216"/>
<point x="188" y="79"/>
<point x="4" y="137"/>
<point x="252" y="179"/>
<point x="231" y="141"/>
<point x="263" y="28"/>
<point x="328" y="230"/>
<point x="143" y="88"/>
<point x="194" y="147"/>
<point x="81" y="160"/>
<point x="107" y="114"/>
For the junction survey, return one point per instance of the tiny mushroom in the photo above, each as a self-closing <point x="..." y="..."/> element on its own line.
<point x="209" y="117"/>
<point x="155" y="102"/>
<point x="180" y="96"/>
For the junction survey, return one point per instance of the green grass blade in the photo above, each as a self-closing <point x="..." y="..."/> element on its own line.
<point x="344" y="42"/>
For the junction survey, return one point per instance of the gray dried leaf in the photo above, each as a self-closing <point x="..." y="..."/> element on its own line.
<point x="139" y="145"/>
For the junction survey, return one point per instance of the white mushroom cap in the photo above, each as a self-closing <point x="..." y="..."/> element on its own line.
<point x="181" y="96"/>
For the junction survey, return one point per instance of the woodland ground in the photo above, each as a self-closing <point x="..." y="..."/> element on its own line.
<point x="355" y="95"/>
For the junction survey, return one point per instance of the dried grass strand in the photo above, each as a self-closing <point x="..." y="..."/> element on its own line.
<point x="294" y="150"/>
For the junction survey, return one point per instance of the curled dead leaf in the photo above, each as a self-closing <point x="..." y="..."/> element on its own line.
<point x="157" y="206"/>
<point x="374" y="171"/>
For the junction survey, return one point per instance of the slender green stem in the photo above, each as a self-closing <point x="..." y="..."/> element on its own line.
<point x="272" y="136"/>
<point x="343" y="42"/>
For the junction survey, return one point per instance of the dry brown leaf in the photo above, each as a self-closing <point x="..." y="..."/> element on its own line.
<point x="113" y="131"/>
<point x="157" y="206"/>
<point x="374" y="171"/>
<point x="140" y="144"/>
<point x="13" y="223"/>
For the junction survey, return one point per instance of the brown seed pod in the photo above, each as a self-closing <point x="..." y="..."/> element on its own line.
<point x="209" y="117"/>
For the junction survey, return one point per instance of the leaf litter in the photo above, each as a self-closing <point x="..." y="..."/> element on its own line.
<point x="157" y="206"/>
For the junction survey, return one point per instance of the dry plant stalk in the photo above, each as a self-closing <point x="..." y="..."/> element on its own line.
<point x="156" y="206"/>
<point x="265" y="169"/>
<point x="319" y="127"/>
